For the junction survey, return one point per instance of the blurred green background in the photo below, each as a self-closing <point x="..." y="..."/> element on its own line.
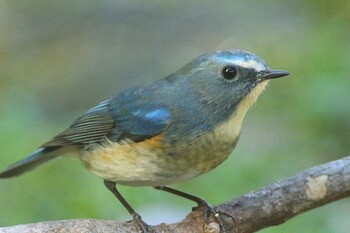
<point x="59" y="58"/>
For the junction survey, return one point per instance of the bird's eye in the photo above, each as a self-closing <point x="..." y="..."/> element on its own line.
<point x="229" y="72"/>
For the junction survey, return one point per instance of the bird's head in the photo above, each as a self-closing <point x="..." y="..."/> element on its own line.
<point x="228" y="77"/>
<point x="228" y="81"/>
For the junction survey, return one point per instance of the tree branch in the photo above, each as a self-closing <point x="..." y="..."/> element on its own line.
<point x="271" y="205"/>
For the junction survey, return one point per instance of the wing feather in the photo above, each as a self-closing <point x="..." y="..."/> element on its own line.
<point x="134" y="121"/>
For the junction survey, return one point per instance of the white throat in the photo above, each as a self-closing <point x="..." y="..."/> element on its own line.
<point x="231" y="129"/>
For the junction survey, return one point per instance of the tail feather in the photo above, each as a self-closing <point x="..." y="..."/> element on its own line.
<point x="40" y="156"/>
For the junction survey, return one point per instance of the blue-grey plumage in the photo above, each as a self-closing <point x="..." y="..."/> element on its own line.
<point x="170" y="130"/>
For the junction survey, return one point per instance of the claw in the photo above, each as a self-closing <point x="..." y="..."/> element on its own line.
<point x="211" y="211"/>
<point x="145" y="228"/>
<point x="208" y="210"/>
<point x="137" y="218"/>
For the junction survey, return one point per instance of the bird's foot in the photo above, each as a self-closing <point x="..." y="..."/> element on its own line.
<point x="210" y="212"/>
<point x="145" y="228"/>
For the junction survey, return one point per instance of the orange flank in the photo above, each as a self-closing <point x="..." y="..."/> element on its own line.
<point x="153" y="142"/>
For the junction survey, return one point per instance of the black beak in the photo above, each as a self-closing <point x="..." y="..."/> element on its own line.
<point x="271" y="74"/>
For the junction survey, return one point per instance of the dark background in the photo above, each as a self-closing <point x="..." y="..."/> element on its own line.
<point x="59" y="58"/>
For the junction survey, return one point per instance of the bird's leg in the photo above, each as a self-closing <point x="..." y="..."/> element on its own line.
<point x="136" y="217"/>
<point x="207" y="208"/>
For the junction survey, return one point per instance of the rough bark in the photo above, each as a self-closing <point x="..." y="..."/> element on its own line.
<point x="268" y="206"/>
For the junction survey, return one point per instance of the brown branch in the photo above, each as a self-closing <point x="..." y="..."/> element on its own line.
<point x="271" y="205"/>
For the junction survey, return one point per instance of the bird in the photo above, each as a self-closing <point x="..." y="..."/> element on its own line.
<point x="164" y="132"/>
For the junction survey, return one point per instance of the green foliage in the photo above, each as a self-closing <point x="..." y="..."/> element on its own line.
<point x="58" y="58"/>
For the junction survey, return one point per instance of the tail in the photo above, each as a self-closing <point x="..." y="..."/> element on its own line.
<point x="40" y="156"/>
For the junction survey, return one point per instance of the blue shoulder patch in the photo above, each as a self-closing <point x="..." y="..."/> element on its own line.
<point x="139" y="121"/>
<point x="159" y="115"/>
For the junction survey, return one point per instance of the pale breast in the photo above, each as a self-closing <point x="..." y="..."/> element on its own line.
<point x="138" y="164"/>
<point x="151" y="163"/>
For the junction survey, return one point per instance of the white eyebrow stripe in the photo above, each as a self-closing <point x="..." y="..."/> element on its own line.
<point x="251" y="64"/>
<point x="246" y="63"/>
